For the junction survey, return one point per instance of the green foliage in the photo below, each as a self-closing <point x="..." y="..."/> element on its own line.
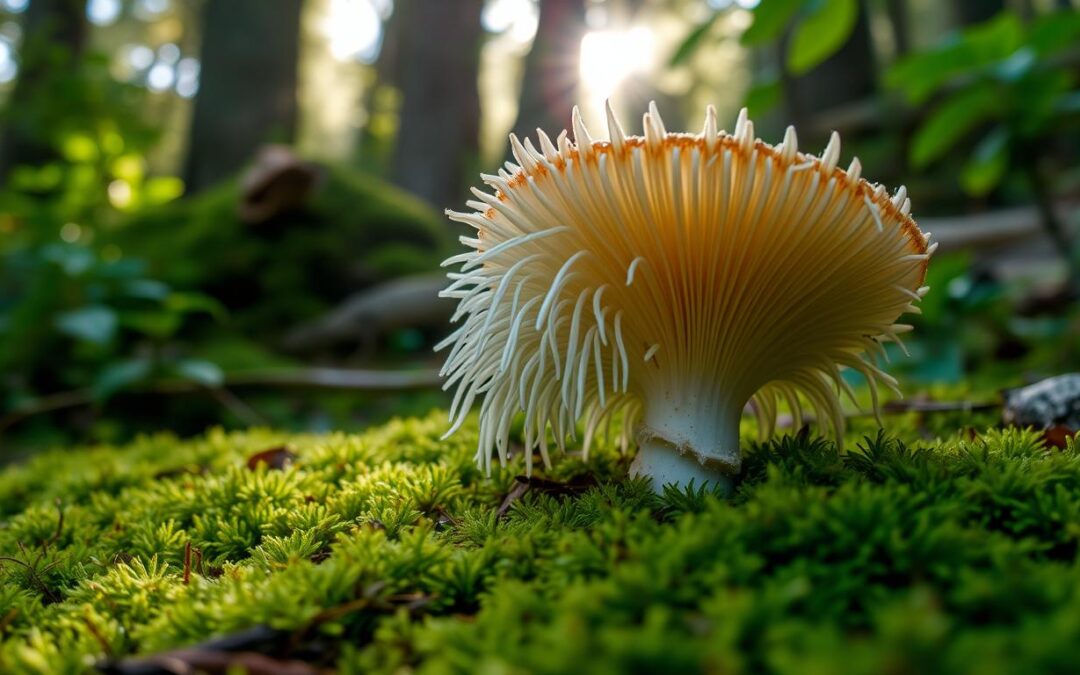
<point x="693" y="40"/>
<point x="771" y="19"/>
<point x="1000" y="85"/>
<point x="390" y="552"/>
<point x="115" y="326"/>
<point x="819" y="28"/>
<point x="826" y="28"/>
<point x="89" y="140"/>
<point x="951" y="121"/>
<point x="969" y="330"/>
<point x="356" y="230"/>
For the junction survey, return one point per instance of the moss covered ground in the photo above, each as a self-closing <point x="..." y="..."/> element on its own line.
<point x="390" y="552"/>
<point x="354" y="231"/>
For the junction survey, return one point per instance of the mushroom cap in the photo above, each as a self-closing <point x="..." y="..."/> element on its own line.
<point x="674" y="277"/>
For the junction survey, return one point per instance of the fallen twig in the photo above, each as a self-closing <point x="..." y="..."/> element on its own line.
<point x="522" y="485"/>
<point x="337" y="378"/>
<point x="786" y="421"/>
<point x="301" y="378"/>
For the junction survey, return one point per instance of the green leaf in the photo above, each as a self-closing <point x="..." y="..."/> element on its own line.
<point x="1017" y="66"/>
<point x="94" y="323"/>
<point x="692" y="41"/>
<point x="202" y="372"/>
<point x="159" y="324"/>
<point x="36" y="179"/>
<point x="162" y="189"/>
<point x="187" y="303"/>
<point x="921" y="74"/>
<point x="122" y="269"/>
<point x="770" y="20"/>
<point x="1041" y="94"/>
<point x="1054" y="32"/>
<point x="951" y="122"/>
<point x="79" y="148"/>
<point x="129" y="167"/>
<point x="821" y="34"/>
<point x="118" y="376"/>
<point x="146" y="289"/>
<point x="988" y="163"/>
<point x="996" y="38"/>
<point x="74" y="260"/>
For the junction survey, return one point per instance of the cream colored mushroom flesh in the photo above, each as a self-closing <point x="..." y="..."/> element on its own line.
<point x="663" y="283"/>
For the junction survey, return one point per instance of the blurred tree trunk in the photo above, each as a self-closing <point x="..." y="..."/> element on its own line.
<point x="247" y="88"/>
<point x="845" y="78"/>
<point x="897" y="11"/>
<point x="549" y="87"/>
<point x="54" y="39"/>
<point x="969" y="12"/>
<point x="436" y="57"/>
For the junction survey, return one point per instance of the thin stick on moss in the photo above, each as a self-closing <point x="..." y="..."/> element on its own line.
<point x="299" y="378"/>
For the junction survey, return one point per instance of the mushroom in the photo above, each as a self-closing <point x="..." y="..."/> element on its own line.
<point x="665" y="281"/>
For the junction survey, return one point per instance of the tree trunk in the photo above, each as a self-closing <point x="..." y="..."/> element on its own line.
<point x="970" y="12"/>
<point x="437" y="53"/>
<point x="897" y="11"/>
<point x="549" y="88"/>
<point x="54" y="40"/>
<point x="247" y="90"/>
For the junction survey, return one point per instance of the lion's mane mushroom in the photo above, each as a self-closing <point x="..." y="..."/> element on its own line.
<point x="671" y="279"/>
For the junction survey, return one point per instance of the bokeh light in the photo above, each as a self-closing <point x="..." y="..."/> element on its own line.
<point x="353" y="30"/>
<point x="140" y="57"/>
<point x="160" y="77"/>
<point x="8" y="67"/>
<point x="724" y="4"/>
<point x="168" y="53"/>
<point x="609" y="57"/>
<point x="518" y="19"/>
<point x="187" y="77"/>
<point x="150" y="9"/>
<point x="103" y="12"/>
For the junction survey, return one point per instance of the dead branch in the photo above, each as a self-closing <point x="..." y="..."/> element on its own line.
<point x="409" y="302"/>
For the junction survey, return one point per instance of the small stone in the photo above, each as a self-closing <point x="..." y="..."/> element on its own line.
<point x="1054" y="401"/>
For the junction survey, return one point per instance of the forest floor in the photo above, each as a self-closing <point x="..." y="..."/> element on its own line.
<point x="389" y="551"/>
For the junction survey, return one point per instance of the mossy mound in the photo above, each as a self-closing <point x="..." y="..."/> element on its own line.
<point x="354" y="230"/>
<point x="390" y="552"/>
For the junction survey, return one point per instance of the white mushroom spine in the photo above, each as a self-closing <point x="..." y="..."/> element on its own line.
<point x="666" y="281"/>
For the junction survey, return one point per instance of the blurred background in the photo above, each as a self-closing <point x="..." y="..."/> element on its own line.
<point x="228" y="212"/>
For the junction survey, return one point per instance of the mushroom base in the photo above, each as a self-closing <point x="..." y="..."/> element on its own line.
<point x="688" y="436"/>
<point x="666" y="465"/>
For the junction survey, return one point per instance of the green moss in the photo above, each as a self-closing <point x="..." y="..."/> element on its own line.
<point x="355" y="230"/>
<point x="387" y="551"/>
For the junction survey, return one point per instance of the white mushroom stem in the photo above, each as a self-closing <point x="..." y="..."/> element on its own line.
<point x="688" y="440"/>
<point x="665" y="465"/>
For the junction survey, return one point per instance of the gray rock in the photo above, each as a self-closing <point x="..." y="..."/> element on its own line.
<point x="1049" y="402"/>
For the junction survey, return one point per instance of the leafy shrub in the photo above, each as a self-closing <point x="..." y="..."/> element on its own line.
<point x="1001" y="81"/>
<point x="114" y="324"/>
